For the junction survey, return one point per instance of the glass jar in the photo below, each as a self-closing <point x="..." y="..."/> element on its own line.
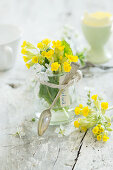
<point x="63" y="110"/>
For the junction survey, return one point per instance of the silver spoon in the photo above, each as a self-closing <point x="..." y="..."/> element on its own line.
<point x="45" y="116"/>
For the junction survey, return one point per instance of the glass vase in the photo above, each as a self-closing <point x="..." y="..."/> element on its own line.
<point x="63" y="110"/>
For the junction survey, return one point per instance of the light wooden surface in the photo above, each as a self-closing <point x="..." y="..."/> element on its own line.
<point x="78" y="151"/>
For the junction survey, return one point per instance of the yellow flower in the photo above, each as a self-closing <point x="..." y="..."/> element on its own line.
<point x="25" y="59"/>
<point x="35" y="59"/>
<point x="72" y="58"/>
<point x="99" y="131"/>
<point x="99" y="125"/>
<point x="40" y="45"/>
<point x="61" y="57"/>
<point x="55" y="66"/>
<point x="104" y="105"/>
<point x="95" y="130"/>
<point x="67" y="67"/>
<point x="77" y="110"/>
<point x="83" y="129"/>
<point x="94" y="97"/>
<point x="28" y="66"/>
<point x="57" y="44"/>
<point x="102" y="129"/>
<point x="61" y="48"/>
<point x="99" y="137"/>
<point x="48" y="54"/>
<point x="76" y="123"/>
<point x="105" y="138"/>
<point x="46" y="41"/>
<point x="24" y="44"/>
<point x="80" y="105"/>
<point x="85" y="111"/>
<point x="23" y="51"/>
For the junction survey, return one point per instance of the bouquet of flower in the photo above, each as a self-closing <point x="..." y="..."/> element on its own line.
<point x="55" y="56"/>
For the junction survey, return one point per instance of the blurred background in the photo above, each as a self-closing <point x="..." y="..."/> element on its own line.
<point x="44" y="18"/>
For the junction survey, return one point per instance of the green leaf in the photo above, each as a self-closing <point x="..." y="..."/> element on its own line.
<point x="109" y="129"/>
<point x="67" y="48"/>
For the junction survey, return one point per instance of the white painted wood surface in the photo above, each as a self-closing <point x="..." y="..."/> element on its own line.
<point x="40" y="19"/>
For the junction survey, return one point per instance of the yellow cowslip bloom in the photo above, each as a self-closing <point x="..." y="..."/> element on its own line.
<point x="94" y="97"/>
<point x="105" y="138"/>
<point x="85" y="111"/>
<point x="102" y="129"/>
<point x="48" y="54"/>
<point x="99" y="125"/>
<point x="24" y="44"/>
<point x="56" y="44"/>
<point x="28" y="66"/>
<point x="72" y="58"/>
<point x="95" y="130"/>
<point x="25" y="59"/>
<point x="23" y="51"/>
<point x="60" y="57"/>
<point x="61" y="48"/>
<point x="46" y="41"/>
<point x="76" y="123"/>
<point x="67" y="67"/>
<point x="35" y="59"/>
<point x="55" y="66"/>
<point x="104" y="105"/>
<point x="77" y="110"/>
<point x="99" y="137"/>
<point x="40" y="45"/>
<point x="99" y="131"/>
<point x="83" y="129"/>
<point x="80" y="105"/>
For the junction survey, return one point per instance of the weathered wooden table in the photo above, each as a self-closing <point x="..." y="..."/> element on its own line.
<point x="77" y="151"/>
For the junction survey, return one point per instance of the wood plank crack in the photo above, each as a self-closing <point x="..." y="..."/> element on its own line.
<point x="78" y="153"/>
<point x="57" y="157"/>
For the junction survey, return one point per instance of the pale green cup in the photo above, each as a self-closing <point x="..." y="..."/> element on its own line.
<point x="97" y="37"/>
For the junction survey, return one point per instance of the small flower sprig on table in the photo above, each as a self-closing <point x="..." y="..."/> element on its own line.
<point x="94" y="118"/>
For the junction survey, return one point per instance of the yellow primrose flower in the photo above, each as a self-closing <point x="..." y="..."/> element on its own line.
<point x="23" y="51"/>
<point x="95" y="130"/>
<point x="104" y="105"/>
<point x="55" y="66"/>
<point x="77" y="110"/>
<point x="102" y="129"/>
<point x="94" y="97"/>
<point x="85" y="111"/>
<point x="99" y="137"/>
<point x="25" y="59"/>
<point x="76" y="123"/>
<point x="24" y="44"/>
<point x="28" y="66"/>
<point x="46" y="41"/>
<point x="80" y="105"/>
<point x="57" y="44"/>
<point x="40" y="45"/>
<point x="60" y="57"/>
<point x="67" y="67"/>
<point x="72" y="58"/>
<point x="83" y="129"/>
<point x="99" y="125"/>
<point x="61" y="48"/>
<point x="99" y="131"/>
<point x="105" y="138"/>
<point x="35" y="59"/>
